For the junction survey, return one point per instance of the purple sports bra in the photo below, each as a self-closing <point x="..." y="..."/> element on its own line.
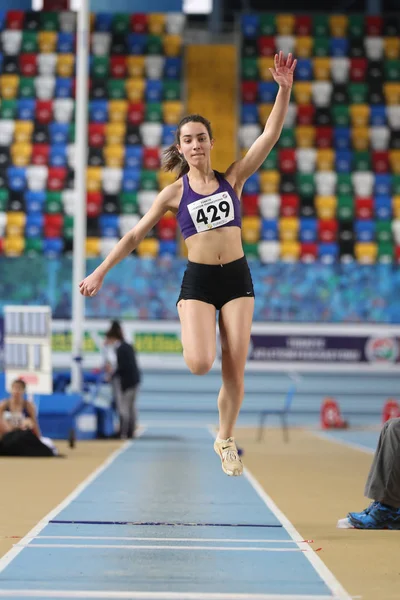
<point x="199" y="213"/>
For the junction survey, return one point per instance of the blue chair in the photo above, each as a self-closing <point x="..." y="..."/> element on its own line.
<point x="53" y="247"/>
<point x="304" y="69"/>
<point x="137" y="43"/>
<point x="252" y="185"/>
<point x="269" y="229"/>
<point x="364" y="230"/>
<point x="250" y="25"/>
<point x="173" y="67"/>
<point x="58" y="155"/>
<point x="383" y="184"/>
<point x="378" y="115"/>
<point x="308" y="231"/>
<point x="63" y="87"/>
<point x="383" y="207"/>
<point x="59" y="133"/>
<point x="16" y="178"/>
<point x="249" y="114"/>
<point x="26" y="109"/>
<point x="328" y="253"/>
<point x="154" y="90"/>
<point x="168" y="135"/>
<point x="342" y="138"/>
<point x="267" y="91"/>
<point x="103" y="21"/>
<point x="339" y="47"/>
<point x="131" y="180"/>
<point x="98" y="111"/>
<point x="133" y="157"/>
<point x="34" y="201"/>
<point x="168" y="247"/>
<point x="65" y="42"/>
<point x="34" y="225"/>
<point x="343" y="161"/>
<point x="1" y="62"/>
<point x="109" y="225"/>
<point x="282" y="413"/>
<point x="2" y="19"/>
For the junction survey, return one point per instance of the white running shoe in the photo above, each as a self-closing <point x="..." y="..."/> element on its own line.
<point x="230" y="459"/>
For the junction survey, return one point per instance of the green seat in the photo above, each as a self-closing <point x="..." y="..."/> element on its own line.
<point x="356" y="26"/>
<point x="288" y="138"/>
<point x="53" y="204"/>
<point x="321" y="46"/>
<point x="305" y="184"/>
<point x="344" y="184"/>
<point x="68" y="227"/>
<point x="345" y="207"/>
<point x="362" y="161"/>
<point x="384" y="231"/>
<point x="267" y="25"/>
<point x="149" y="180"/>
<point x="340" y="115"/>
<point x="271" y="162"/>
<point x="129" y="203"/>
<point x="249" y="69"/>
<point x="116" y="89"/>
<point x="33" y="246"/>
<point x="27" y="87"/>
<point x="154" y="112"/>
<point x="321" y="25"/>
<point x="154" y="44"/>
<point x="396" y="185"/>
<point x="49" y="21"/>
<point x="120" y="23"/>
<point x="29" y="44"/>
<point x="385" y="252"/>
<point x="101" y="67"/>
<point x="392" y="70"/>
<point x="250" y="250"/>
<point x="3" y="200"/>
<point x="71" y="132"/>
<point x="8" y="109"/>
<point x="358" y="93"/>
<point x="172" y="89"/>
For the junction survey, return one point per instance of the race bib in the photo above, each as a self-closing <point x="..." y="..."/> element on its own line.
<point x="211" y="212"/>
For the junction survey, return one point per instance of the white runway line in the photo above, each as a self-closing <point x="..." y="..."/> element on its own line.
<point x="341" y="442"/>
<point x="159" y="539"/>
<point x="155" y="547"/>
<point x="111" y="595"/>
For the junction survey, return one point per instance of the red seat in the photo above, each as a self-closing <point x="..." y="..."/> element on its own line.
<point x="303" y="25"/>
<point x="266" y="45"/>
<point x="15" y="19"/>
<point x="327" y="230"/>
<point x="118" y="66"/>
<point x="305" y="114"/>
<point x="308" y="251"/>
<point x="249" y="91"/>
<point x="139" y="23"/>
<point x="94" y="204"/>
<point x="364" y="208"/>
<point x="380" y="161"/>
<point x="358" y="69"/>
<point x="44" y="111"/>
<point x="287" y="160"/>
<point x="151" y="158"/>
<point x="1" y="246"/>
<point x="324" y="137"/>
<point x="373" y="25"/>
<point x="97" y="135"/>
<point x="28" y="65"/>
<point x="40" y="154"/>
<point x="53" y="225"/>
<point x="166" y="228"/>
<point x="56" y="179"/>
<point x="397" y="254"/>
<point x="290" y="205"/>
<point x="136" y="113"/>
<point x="250" y="205"/>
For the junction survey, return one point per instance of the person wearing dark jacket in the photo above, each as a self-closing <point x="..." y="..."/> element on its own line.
<point x="125" y="379"/>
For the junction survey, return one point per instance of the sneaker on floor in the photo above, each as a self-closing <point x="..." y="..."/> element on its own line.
<point x="376" y="516"/>
<point x="230" y="459"/>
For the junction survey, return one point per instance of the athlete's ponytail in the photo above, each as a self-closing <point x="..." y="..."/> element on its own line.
<point x="172" y="158"/>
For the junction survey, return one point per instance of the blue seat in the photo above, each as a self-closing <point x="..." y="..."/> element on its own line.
<point x="328" y="253"/>
<point x="267" y="91"/>
<point x="26" y="109"/>
<point x="53" y="247"/>
<point x="364" y="230"/>
<point x="168" y="247"/>
<point x="339" y="47"/>
<point x="168" y="135"/>
<point x="378" y="115"/>
<point x="304" y="69"/>
<point x="282" y="413"/>
<point x="16" y="178"/>
<point x="34" y="225"/>
<point x="98" y="111"/>
<point x="343" y="161"/>
<point x="58" y="155"/>
<point x="250" y="25"/>
<point x="65" y="42"/>
<point x="1" y="62"/>
<point x="173" y="67"/>
<point x="137" y="43"/>
<point x="63" y="88"/>
<point x="383" y="184"/>
<point x="109" y="225"/>
<point x="154" y="90"/>
<point x="269" y="229"/>
<point x="133" y="157"/>
<point x="2" y="19"/>
<point x="383" y="207"/>
<point x="130" y="180"/>
<point x="103" y="21"/>
<point x="249" y="114"/>
<point x="252" y="185"/>
<point x="34" y="201"/>
<point x="59" y="133"/>
<point x="342" y="138"/>
<point x="308" y="231"/>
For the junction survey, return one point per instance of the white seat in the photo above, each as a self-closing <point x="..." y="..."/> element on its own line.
<point x="269" y="251"/>
<point x="363" y="183"/>
<point x="154" y="66"/>
<point x="379" y="137"/>
<point x="3" y="222"/>
<point x="175" y="23"/>
<point x="47" y="64"/>
<point x="396" y="230"/>
<point x="306" y="159"/>
<point x="321" y="93"/>
<point x="393" y="116"/>
<point x="67" y="20"/>
<point x="269" y="205"/>
<point x="151" y="134"/>
<point x="63" y="109"/>
<point x="340" y="67"/>
<point x="325" y="183"/>
<point x="290" y="119"/>
<point x="11" y="40"/>
<point x="145" y="200"/>
<point x="285" y="43"/>
<point x="71" y="155"/>
<point x="36" y="176"/>
<point x="101" y="43"/>
<point x="111" y="180"/>
<point x="128" y="222"/>
<point x="68" y="198"/>
<point x="7" y="127"/>
<point x="44" y="87"/>
<point x="106" y="245"/>
<point x="373" y="47"/>
<point x="248" y="134"/>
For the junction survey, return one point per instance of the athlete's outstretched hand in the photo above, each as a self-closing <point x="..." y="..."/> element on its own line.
<point x="283" y="70"/>
<point x="91" y="284"/>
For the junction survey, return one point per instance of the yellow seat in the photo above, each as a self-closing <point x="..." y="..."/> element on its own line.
<point x="65" y="65"/>
<point x="156" y="23"/>
<point x="135" y="88"/>
<point x="366" y="252"/>
<point x="394" y="160"/>
<point x="251" y="229"/>
<point x="325" y="159"/>
<point x="135" y="66"/>
<point x="265" y="63"/>
<point x="114" y="155"/>
<point x="93" y="179"/>
<point x="148" y="247"/>
<point x="304" y="46"/>
<point x="326" y="206"/>
<point x="290" y="251"/>
<point x="338" y="25"/>
<point x="392" y="93"/>
<point x="172" y="111"/>
<point x="165" y="178"/>
<point x="15" y="224"/>
<point x="172" y="45"/>
<point x="9" y="86"/>
<point x="269" y="182"/>
<point x="391" y="47"/>
<point x="288" y="229"/>
<point x="47" y="41"/>
<point x="14" y="245"/>
<point x="115" y="133"/>
<point x="302" y="91"/>
<point x="117" y="111"/>
<point x="360" y="138"/>
<point x="322" y="68"/>
<point x="23" y="131"/>
<point x="21" y="154"/>
<point x="359" y="115"/>
<point x="264" y="110"/>
<point x="396" y="206"/>
<point x="92" y="247"/>
<point x="285" y="24"/>
<point x="305" y="136"/>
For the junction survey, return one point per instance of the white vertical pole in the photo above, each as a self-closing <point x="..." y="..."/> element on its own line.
<point x="79" y="254"/>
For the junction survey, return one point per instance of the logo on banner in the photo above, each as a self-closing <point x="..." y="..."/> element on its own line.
<point x="382" y="350"/>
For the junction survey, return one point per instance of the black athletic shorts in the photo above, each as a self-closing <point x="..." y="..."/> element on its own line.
<point x="217" y="284"/>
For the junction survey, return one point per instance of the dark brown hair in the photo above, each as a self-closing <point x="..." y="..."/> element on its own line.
<point x="115" y="331"/>
<point x="20" y="382"/>
<point x="172" y="158"/>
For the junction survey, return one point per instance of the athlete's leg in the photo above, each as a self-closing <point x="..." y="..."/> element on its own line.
<point x="198" y="334"/>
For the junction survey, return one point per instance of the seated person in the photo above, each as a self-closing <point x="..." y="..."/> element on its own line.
<point x="18" y="413"/>
<point x="383" y="485"/>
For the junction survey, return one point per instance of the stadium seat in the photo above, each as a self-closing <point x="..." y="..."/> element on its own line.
<point x="366" y="252"/>
<point x="269" y="251"/>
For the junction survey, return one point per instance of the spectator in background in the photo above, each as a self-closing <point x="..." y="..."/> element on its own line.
<point x="125" y="378"/>
<point x="18" y="413"/>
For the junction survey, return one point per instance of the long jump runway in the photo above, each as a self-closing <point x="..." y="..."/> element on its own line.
<point x="161" y="521"/>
